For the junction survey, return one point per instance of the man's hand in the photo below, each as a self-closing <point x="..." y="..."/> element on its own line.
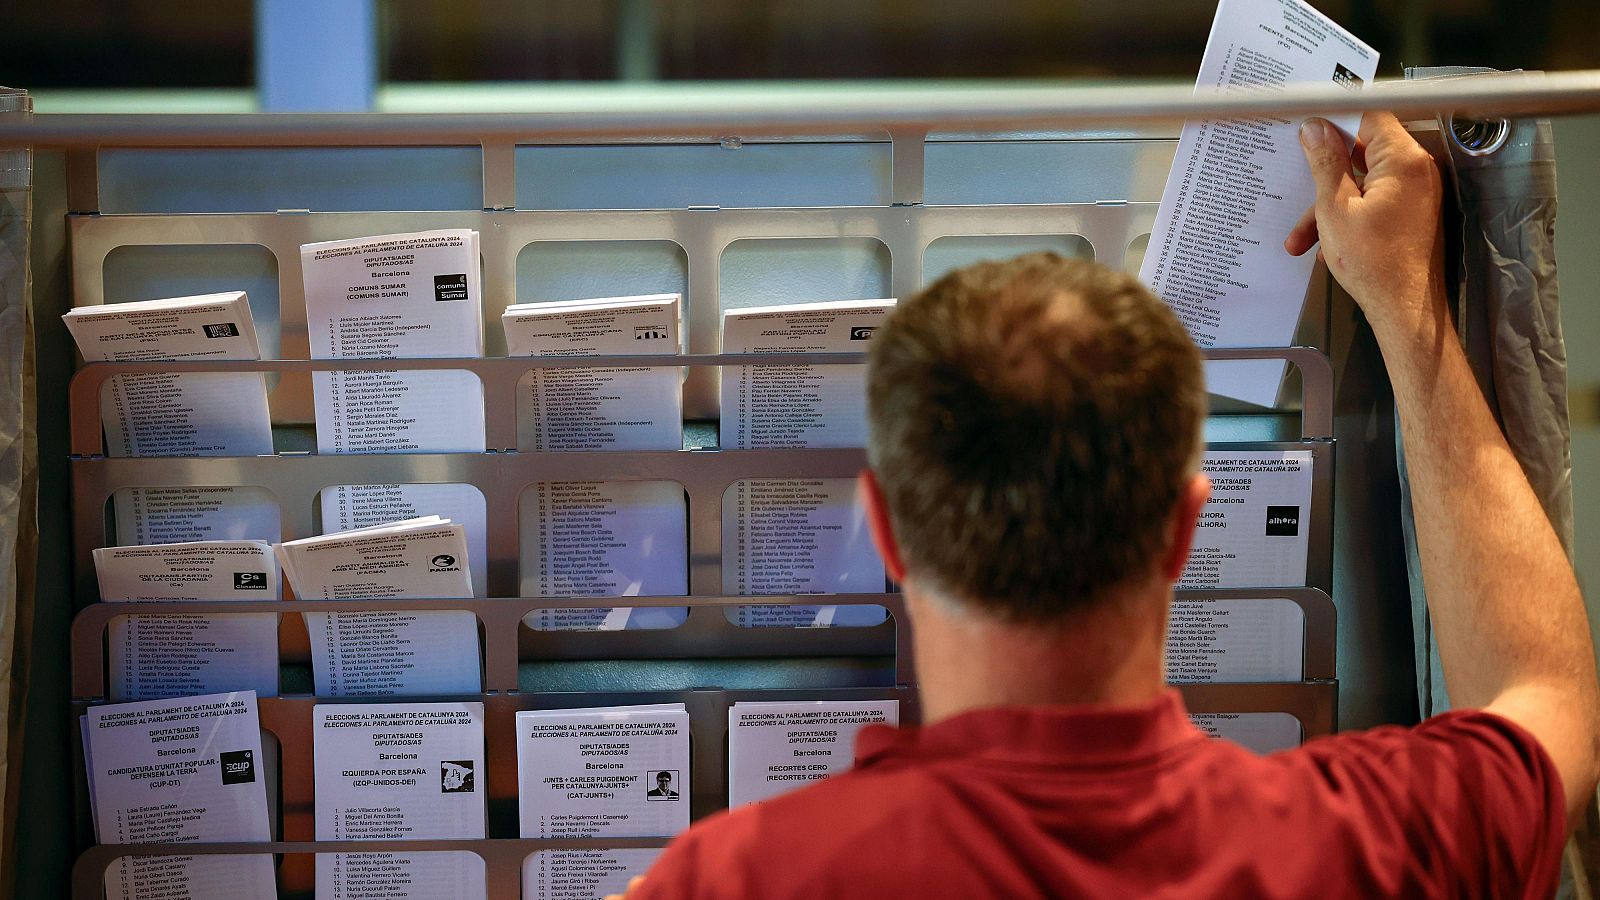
<point x="1380" y="229"/>
<point x="632" y="884"/>
<point x="1512" y="631"/>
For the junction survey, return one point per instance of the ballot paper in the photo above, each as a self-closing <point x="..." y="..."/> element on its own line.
<point x="153" y="657"/>
<point x="393" y="653"/>
<point x="777" y="747"/>
<point x="1212" y="639"/>
<point x="799" y="536"/>
<point x="1237" y="186"/>
<point x="598" y="408"/>
<point x="1262" y="732"/>
<point x="399" y="771"/>
<point x="797" y="406"/>
<point x="346" y="507"/>
<point x="172" y="515"/>
<point x="1254" y="531"/>
<point x="608" y="772"/>
<point x="185" y="770"/>
<point x="604" y="539"/>
<point x="178" y="414"/>
<point x="396" y="296"/>
<point x="583" y="874"/>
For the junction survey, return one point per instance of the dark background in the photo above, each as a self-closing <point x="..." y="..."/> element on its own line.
<point x="208" y="43"/>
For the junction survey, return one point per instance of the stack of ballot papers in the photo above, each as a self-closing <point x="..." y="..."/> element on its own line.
<point x="610" y="772"/>
<point x="604" y="539"/>
<point x="599" y="409"/>
<point x="797" y="406"/>
<point x="388" y="653"/>
<point x="184" y="770"/>
<point x="798" y="537"/>
<point x="396" y="296"/>
<point x="601" y="539"/>
<point x="154" y="657"/>
<point x="347" y="507"/>
<point x="1237" y="186"/>
<point x="1255" y="530"/>
<point x="399" y="771"/>
<point x="777" y="747"/>
<point x="184" y="414"/>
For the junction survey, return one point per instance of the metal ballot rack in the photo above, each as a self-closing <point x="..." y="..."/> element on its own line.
<point x="933" y="161"/>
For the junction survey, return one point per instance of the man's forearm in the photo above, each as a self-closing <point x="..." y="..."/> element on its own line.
<point x="1505" y="605"/>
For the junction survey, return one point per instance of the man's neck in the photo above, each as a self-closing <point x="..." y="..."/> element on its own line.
<point x="1107" y="656"/>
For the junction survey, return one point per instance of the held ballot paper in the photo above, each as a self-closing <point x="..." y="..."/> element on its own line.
<point x="153" y="657"/>
<point x="399" y="771"/>
<point x="797" y="406"/>
<point x="1237" y="186"/>
<point x="179" y="414"/>
<point x="388" y="653"/>
<point x="186" y="770"/>
<point x="609" y="772"/>
<point x="596" y="539"/>
<point x="1254" y="531"/>
<point x="777" y="747"/>
<point x="396" y="296"/>
<point x="594" y="408"/>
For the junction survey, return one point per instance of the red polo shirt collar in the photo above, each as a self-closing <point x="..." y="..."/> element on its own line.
<point x="1057" y="735"/>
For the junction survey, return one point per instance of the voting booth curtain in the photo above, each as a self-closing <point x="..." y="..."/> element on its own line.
<point x="18" y="460"/>
<point x="1500" y="187"/>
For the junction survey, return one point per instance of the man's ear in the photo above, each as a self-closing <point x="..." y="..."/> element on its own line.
<point x="878" y="521"/>
<point x="1180" y="534"/>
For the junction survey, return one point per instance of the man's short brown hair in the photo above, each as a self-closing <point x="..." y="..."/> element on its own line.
<point x="1033" y="423"/>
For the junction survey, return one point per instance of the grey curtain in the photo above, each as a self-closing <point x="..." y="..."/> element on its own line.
<point x="18" y="464"/>
<point x="1500" y="238"/>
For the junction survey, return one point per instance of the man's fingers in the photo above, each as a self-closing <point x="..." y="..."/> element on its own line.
<point x="1378" y="126"/>
<point x="1329" y="159"/>
<point x="1304" y="233"/>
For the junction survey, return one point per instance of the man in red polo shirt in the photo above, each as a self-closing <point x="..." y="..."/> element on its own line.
<point x="1034" y="487"/>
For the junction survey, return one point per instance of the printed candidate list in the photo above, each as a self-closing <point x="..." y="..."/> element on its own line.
<point x="390" y="653"/>
<point x="396" y="296"/>
<point x="1237" y="186"/>
<point x="598" y="408"/>
<point x="174" y="656"/>
<point x="185" y="770"/>
<point x="606" y="772"/>
<point x="1255" y="529"/>
<point x="594" y="539"/>
<point x="399" y="771"/>
<point x="777" y="747"/>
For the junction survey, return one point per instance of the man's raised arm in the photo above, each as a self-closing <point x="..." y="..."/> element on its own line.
<point x="1512" y="631"/>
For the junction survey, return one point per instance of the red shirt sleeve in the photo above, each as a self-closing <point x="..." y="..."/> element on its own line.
<point x="1466" y="804"/>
